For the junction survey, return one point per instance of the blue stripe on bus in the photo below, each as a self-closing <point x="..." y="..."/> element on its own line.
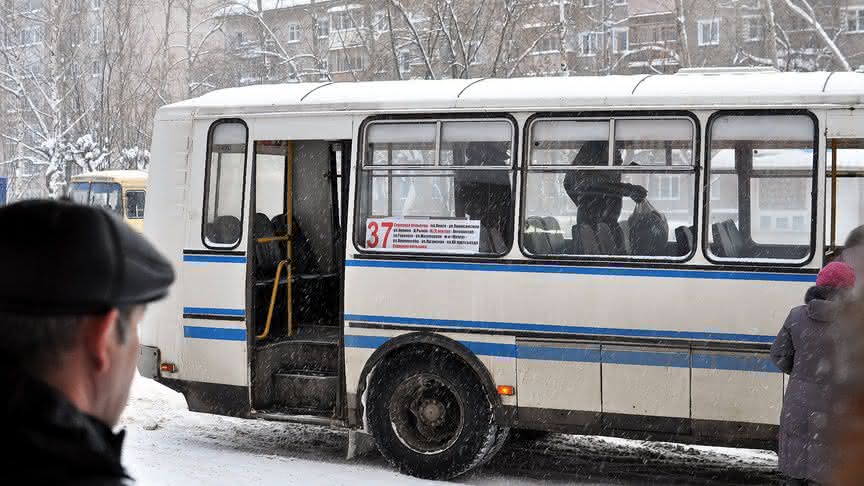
<point x="214" y="259"/>
<point x="213" y="311"/>
<point x="604" y="271"/>
<point x="599" y="331"/>
<point x="646" y="358"/>
<point x="581" y="355"/>
<point x="733" y="363"/>
<point x="619" y="357"/>
<point x="217" y="333"/>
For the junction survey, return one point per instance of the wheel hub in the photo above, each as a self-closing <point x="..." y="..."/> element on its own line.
<point x="432" y="412"/>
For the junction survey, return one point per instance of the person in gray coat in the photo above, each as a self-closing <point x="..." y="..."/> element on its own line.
<point x="804" y="350"/>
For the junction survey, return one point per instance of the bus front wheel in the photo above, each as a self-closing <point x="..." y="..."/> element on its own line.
<point x="430" y="415"/>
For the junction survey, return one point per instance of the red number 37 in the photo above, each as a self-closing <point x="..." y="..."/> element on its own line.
<point x="375" y="240"/>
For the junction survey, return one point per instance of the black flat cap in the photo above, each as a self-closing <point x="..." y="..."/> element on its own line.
<point x="58" y="257"/>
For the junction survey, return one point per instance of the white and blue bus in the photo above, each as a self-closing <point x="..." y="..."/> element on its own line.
<point x="437" y="262"/>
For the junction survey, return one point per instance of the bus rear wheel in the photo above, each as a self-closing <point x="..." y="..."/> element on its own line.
<point x="430" y="415"/>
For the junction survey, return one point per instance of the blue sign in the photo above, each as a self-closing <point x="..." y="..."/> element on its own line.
<point x="4" y="183"/>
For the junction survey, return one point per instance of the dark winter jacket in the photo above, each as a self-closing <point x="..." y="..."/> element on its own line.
<point x="804" y="349"/>
<point x="50" y="442"/>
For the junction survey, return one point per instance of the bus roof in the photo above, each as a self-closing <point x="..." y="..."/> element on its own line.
<point x="689" y="88"/>
<point x="131" y="177"/>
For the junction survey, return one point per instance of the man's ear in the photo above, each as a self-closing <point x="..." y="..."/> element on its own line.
<point x="100" y="337"/>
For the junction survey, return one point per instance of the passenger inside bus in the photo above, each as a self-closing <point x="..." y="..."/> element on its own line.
<point x="598" y="196"/>
<point x="486" y="194"/>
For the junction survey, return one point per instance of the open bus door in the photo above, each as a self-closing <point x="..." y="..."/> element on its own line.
<point x="295" y="280"/>
<point x="844" y="193"/>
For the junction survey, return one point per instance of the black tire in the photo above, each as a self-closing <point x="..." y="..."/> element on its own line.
<point x="430" y="415"/>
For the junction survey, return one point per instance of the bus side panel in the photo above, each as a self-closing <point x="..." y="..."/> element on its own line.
<point x="638" y="379"/>
<point x="558" y="375"/>
<point x="164" y="226"/>
<point x="646" y="381"/>
<point x="736" y="386"/>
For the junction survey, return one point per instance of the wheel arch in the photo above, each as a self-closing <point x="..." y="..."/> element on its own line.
<point x="414" y="340"/>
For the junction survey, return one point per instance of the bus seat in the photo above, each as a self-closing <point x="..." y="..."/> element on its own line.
<point x="491" y="241"/>
<point x="267" y="255"/>
<point x="585" y="239"/>
<point x="554" y="234"/>
<point x="610" y="239"/>
<point x="731" y="241"/>
<point x="685" y="237"/>
<point x="536" y="240"/>
<point x="224" y="230"/>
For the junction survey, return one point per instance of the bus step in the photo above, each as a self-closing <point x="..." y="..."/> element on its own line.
<point x="299" y="355"/>
<point x="306" y="389"/>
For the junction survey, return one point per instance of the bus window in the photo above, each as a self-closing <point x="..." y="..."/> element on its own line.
<point x="106" y="195"/>
<point x="636" y="200"/>
<point x="849" y="204"/>
<point x="760" y="202"/>
<point x="437" y="187"/>
<point x="226" y="167"/>
<point x="135" y="204"/>
<point x="80" y="192"/>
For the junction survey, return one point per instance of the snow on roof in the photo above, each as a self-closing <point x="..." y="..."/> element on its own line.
<point x="239" y="7"/>
<point x="711" y="88"/>
<point x="115" y="174"/>
<point x="649" y="7"/>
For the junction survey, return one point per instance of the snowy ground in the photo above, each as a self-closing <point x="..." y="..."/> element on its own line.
<point x="168" y="445"/>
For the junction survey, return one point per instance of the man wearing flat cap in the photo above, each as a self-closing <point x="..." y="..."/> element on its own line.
<point x="74" y="282"/>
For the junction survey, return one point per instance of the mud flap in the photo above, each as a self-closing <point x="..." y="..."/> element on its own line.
<point x="360" y="444"/>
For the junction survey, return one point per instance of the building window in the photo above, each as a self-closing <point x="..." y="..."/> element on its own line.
<point x="752" y="28"/>
<point x="225" y="178"/>
<point x="95" y="35"/>
<point x="589" y="3"/>
<point x="404" y="61"/>
<point x="323" y="28"/>
<point x="346" y="20"/>
<point x="380" y="22"/>
<point x="709" y="32"/>
<point x="579" y="203"/>
<point x="668" y="188"/>
<point x="293" y="33"/>
<point x="75" y="70"/>
<point x="620" y="40"/>
<point x="855" y="20"/>
<point x="95" y="68"/>
<point x="765" y="164"/>
<point x="439" y="186"/>
<point x="589" y="43"/>
<point x="349" y="60"/>
<point x="95" y="4"/>
<point x="547" y="44"/>
<point x="29" y="36"/>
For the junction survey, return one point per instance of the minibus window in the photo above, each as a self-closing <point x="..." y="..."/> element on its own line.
<point x="760" y="196"/>
<point x="636" y="200"/>
<point x="106" y="195"/>
<point x="440" y="187"/>
<point x="226" y="168"/>
<point x="135" y="204"/>
<point x="80" y="192"/>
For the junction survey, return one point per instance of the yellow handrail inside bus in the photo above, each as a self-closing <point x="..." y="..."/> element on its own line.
<point x="279" y="268"/>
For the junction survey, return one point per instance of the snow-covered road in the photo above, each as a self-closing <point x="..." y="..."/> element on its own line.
<point x="168" y="445"/>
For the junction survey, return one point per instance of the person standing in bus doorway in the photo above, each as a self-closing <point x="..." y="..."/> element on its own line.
<point x="804" y="350"/>
<point x="73" y="286"/>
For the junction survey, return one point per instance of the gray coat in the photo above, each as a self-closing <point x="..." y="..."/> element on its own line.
<point x="804" y="349"/>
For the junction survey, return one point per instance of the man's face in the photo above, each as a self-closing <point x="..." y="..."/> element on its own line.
<point x="114" y="381"/>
